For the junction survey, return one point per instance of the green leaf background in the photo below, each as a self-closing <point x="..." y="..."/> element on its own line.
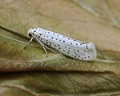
<point x="27" y="72"/>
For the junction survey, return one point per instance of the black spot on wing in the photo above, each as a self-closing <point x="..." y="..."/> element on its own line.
<point x="38" y="36"/>
<point x="67" y="52"/>
<point x="86" y="47"/>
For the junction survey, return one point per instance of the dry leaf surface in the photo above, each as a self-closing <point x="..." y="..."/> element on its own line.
<point x="97" y="21"/>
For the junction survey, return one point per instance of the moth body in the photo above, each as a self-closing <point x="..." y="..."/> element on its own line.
<point x="65" y="45"/>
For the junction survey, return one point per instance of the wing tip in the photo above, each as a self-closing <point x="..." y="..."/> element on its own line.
<point x="94" y="52"/>
<point x="91" y="46"/>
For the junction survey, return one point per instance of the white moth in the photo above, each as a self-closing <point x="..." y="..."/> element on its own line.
<point x="65" y="45"/>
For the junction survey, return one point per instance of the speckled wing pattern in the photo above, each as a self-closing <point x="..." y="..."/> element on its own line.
<point x="66" y="45"/>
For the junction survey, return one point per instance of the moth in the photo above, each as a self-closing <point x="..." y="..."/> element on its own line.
<point x="70" y="47"/>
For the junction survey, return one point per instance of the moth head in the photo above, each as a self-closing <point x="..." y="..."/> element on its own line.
<point x="31" y="32"/>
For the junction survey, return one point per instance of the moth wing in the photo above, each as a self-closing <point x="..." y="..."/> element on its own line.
<point x="85" y="51"/>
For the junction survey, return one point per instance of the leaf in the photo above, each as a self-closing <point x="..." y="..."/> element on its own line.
<point x="96" y="21"/>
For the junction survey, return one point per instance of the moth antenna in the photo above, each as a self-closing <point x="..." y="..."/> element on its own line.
<point x="28" y="43"/>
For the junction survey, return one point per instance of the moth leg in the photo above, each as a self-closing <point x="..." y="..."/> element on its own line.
<point x="42" y="46"/>
<point x="28" y="43"/>
<point x="45" y="51"/>
<point x="51" y="49"/>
